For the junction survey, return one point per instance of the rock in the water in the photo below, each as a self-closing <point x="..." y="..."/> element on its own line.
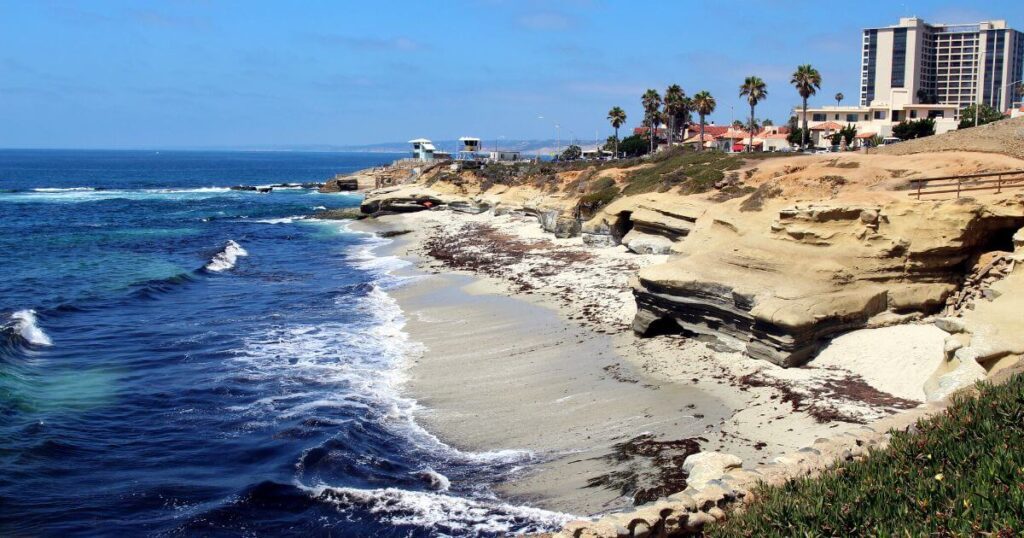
<point x="341" y="184"/>
<point x="339" y="214"/>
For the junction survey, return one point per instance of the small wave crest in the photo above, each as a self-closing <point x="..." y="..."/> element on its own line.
<point x="64" y="189"/>
<point x="440" y="512"/>
<point x="227" y="258"/>
<point x="24" y="325"/>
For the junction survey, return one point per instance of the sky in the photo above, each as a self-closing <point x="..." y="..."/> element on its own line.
<point x="208" y="74"/>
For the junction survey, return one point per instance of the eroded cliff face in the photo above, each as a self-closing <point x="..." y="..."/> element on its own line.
<point x="779" y="282"/>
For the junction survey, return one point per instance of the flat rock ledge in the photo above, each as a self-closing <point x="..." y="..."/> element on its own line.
<point x="718" y="482"/>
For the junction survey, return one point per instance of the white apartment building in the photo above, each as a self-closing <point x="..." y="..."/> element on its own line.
<point x="914" y="62"/>
<point x="916" y="70"/>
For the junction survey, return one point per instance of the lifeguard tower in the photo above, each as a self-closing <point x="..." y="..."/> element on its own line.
<point x="422" y="149"/>
<point x="470" y="147"/>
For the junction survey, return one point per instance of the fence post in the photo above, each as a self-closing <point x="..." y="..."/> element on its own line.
<point x="999" y="183"/>
<point x="959" y="181"/>
<point x="919" y="183"/>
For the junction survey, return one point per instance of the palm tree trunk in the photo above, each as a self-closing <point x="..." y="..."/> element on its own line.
<point x="750" y="148"/>
<point x="803" y="135"/>
<point x="702" y="132"/>
<point x="616" y="156"/>
<point x="650" y="134"/>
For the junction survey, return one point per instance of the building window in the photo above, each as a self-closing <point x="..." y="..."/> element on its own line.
<point x="851" y="118"/>
<point x="899" y="57"/>
<point x="817" y="117"/>
<point x="936" y="114"/>
<point x="870" y="60"/>
<point x="879" y="114"/>
<point x="913" y="114"/>
<point x="836" y="116"/>
<point x="865" y="117"/>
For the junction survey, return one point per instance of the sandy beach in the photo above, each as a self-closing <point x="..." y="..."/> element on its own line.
<point x="528" y="347"/>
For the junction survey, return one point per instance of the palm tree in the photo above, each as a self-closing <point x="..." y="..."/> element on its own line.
<point x="807" y="81"/>
<point x="688" y="109"/>
<point x="618" y="117"/>
<point x="756" y="91"/>
<point x="704" y="104"/>
<point x="839" y="98"/>
<point x="675" y="106"/>
<point x="652" y="113"/>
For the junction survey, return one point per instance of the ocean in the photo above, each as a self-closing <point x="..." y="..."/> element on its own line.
<point x="180" y="358"/>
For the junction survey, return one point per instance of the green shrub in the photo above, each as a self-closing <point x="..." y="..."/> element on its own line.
<point x="960" y="473"/>
<point x="693" y="171"/>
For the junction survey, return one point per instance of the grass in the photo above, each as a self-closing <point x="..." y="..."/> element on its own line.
<point x="960" y="473"/>
<point x="695" y="172"/>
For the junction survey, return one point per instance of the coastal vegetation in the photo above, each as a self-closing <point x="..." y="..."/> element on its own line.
<point x="909" y="130"/>
<point x="617" y="117"/>
<point x="651" y="102"/>
<point x="704" y="104"/>
<point x="755" y="90"/>
<point x="985" y="114"/>
<point x="957" y="474"/>
<point x="676" y="107"/>
<point x="807" y="81"/>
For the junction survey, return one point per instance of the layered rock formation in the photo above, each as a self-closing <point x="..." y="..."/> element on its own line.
<point x="646" y="224"/>
<point x="780" y="282"/>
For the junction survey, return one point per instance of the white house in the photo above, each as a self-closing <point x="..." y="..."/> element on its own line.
<point x="504" y="156"/>
<point x="422" y="149"/>
<point x="878" y="118"/>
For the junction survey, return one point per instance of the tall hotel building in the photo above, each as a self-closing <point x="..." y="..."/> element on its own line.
<point x="950" y="64"/>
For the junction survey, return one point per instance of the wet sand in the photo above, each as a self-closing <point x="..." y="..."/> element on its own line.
<point x="502" y="373"/>
<point x="533" y="351"/>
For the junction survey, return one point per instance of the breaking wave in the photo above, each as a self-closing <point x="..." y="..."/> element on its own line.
<point x="227" y="258"/>
<point x="439" y="512"/>
<point x="24" y="325"/>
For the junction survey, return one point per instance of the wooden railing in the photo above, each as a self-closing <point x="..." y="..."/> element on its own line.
<point x="987" y="181"/>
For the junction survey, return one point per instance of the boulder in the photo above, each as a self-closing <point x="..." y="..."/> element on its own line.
<point x="566" y="226"/>
<point x="402" y="200"/>
<point x="644" y="243"/>
<point x="703" y="467"/>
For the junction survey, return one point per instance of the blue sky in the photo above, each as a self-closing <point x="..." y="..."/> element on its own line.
<point x="194" y="73"/>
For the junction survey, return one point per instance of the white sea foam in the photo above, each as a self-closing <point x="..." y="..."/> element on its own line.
<point x="282" y="220"/>
<point x="25" y="324"/>
<point x="63" y="189"/>
<point x="440" y="512"/>
<point x="436" y="480"/>
<point x="362" y="367"/>
<point x="227" y="258"/>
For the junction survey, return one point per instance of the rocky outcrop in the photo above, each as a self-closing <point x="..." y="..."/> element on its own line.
<point x="778" y="283"/>
<point x="654" y="222"/>
<point x="341" y="184"/>
<point x="401" y="200"/>
<point x="988" y="337"/>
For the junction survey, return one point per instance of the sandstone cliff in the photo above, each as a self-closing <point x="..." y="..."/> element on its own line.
<point x="772" y="256"/>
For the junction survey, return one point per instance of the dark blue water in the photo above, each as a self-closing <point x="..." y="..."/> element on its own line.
<point x="177" y="358"/>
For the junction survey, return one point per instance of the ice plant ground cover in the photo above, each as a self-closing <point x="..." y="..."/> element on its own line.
<point x="956" y="474"/>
